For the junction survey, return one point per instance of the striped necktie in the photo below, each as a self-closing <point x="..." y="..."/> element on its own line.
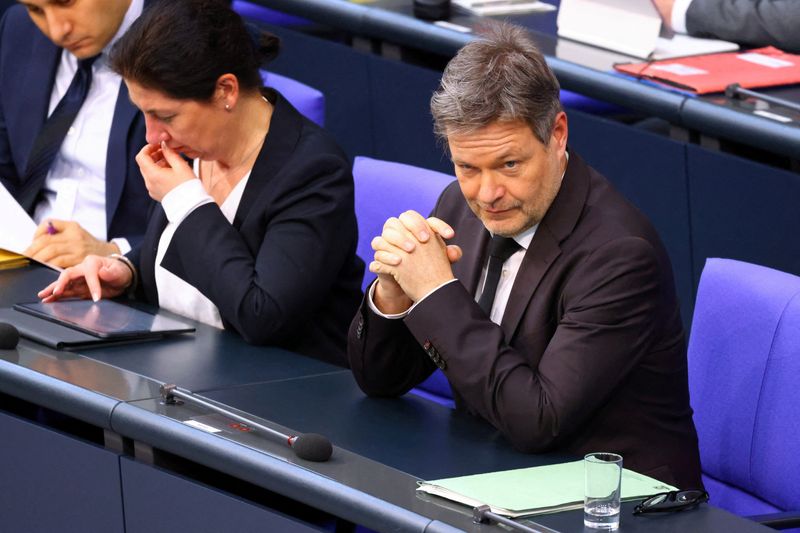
<point x="52" y="134"/>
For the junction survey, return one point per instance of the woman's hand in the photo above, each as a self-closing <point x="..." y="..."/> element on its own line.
<point x="96" y="277"/>
<point x="163" y="169"/>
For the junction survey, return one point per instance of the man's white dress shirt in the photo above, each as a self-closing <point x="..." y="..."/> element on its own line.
<point x="75" y="186"/>
<point x="679" y="9"/>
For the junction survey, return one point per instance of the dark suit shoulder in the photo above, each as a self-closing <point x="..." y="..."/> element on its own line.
<point x="26" y="57"/>
<point x="608" y="215"/>
<point x="16" y="18"/>
<point x="18" y="31"/>
<point x="303" y="148"/>
<point x="316" y="146"/>
<point x="613" y="235"/>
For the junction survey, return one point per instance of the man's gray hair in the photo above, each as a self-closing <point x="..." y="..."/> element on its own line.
<point x="500" y="76"/>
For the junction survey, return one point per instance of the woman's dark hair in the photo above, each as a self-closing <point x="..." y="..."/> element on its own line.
<point x="182" y="47"/>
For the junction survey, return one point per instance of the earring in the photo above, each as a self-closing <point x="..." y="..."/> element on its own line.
<point x="227" y="107"/>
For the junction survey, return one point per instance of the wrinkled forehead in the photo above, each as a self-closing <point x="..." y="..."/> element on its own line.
<point x="495" y="142"/>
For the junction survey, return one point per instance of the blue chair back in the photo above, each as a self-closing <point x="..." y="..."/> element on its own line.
<point x="309" y="101"/>
<point x="384" y="189"/>
<point x="744" y="367"/>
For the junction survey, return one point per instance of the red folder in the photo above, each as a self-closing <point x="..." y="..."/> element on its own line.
<point x="711" y="73"/>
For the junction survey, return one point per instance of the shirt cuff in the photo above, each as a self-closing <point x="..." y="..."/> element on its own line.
<point x="184" y="199"/>
<point x="123" y="245"/>
<point x="679" y="9"/>
<point x="374" y="308"/>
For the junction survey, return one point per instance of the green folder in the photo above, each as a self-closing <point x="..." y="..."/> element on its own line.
<point x="536" y="490"/>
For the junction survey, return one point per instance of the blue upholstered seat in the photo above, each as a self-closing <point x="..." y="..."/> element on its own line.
<point x="571" y="100"/>
<point x="436" y="388"/>
<point x="744" y="369"/>
<point x="384" y="189"/>
<point x="261" y="13"/>
<point x="309" y="101"/>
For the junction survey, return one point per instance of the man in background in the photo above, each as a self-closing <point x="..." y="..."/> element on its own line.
<point x="552" y="312"/>
<point x="68" y="132"/>
<point x="751" y="23"/>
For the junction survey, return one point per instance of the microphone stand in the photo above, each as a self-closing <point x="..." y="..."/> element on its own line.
<point x="483" y="515"/>
<point x="734" y="90"/>
<point x="309" y="446"/>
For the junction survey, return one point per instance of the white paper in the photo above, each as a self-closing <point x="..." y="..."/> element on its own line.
<point x="625" y="26"/>
<point x="504" y="7"/>
<point x="631" y="27"/>
<point x="588" y="55"/>
<point x="450" y="26"/>
<point x="765" y="61"/>
<point x="202" y="427"/>
<point x="16" y="227"/>
<point x="679" y="69"/>
<point x="772" y="116"/>
<point x="684" y="45"/>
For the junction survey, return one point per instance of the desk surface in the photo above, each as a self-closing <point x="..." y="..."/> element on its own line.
<point x="580" y="68"/>
<point x="382" y="447"/>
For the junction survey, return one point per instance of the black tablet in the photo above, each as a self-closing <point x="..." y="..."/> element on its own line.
<point x="105" y="319"/>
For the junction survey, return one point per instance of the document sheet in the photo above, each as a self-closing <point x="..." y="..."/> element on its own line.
<point x="630" y="27"/>
<point x="17" y="226"/>
<point x="536" y="490"/>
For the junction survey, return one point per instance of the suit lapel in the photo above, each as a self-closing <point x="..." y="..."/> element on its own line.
<point x="118" y="156"/>
<point x="283" y="135"/>
<point x="473" y="245"/>
<point x="557" y="224"/>
<point x="37" y="86"/>
<point x="147" y="256"/>
<point x="541" y="253"/>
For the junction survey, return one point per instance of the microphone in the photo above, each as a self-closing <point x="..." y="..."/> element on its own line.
<point x="9" y="336"/>
<point x="311" y="447"/>
<point x="308" y="446"/>
<point x="734" y="91"/>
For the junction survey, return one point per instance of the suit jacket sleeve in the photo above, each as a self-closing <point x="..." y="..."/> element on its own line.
<point x="385" y="358"/>
<point x="607" y="314"/>
<point x="267" y="290"/>
<point x="750" y="22"/>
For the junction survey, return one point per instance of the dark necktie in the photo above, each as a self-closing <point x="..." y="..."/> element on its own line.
<point x="52" y="135"/>
<point x="500" y="249"/>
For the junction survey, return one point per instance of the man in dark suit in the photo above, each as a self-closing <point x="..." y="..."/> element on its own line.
<point x="575" y="342"/>
<point x="88" y="195"/>
<point x="748" y="22"/>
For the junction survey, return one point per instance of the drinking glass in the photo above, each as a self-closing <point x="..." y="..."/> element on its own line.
<point x="602" y="496"/>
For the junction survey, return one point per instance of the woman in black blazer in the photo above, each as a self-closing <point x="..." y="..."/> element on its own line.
<point x="259" y="234"/>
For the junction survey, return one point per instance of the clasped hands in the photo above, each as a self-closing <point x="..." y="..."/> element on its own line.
<point x="411" y="260"/>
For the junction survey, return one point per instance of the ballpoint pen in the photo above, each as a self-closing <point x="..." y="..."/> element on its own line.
<point x="51" y="229"/>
